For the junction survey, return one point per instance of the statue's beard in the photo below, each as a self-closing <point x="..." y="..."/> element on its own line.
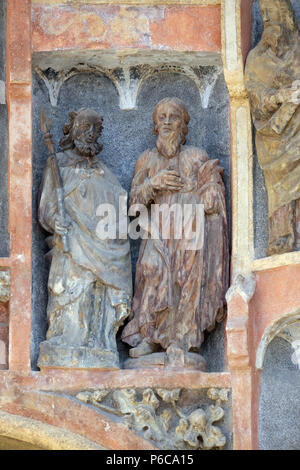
<point x="169" y="145"/>
<point x="88" y="150"/>
<point x="277" y="38"/>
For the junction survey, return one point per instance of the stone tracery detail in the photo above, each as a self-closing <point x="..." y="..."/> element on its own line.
<point x="129" y="80"/>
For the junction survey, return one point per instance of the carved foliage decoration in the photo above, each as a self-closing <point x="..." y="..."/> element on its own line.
<point x="172" y="419"/>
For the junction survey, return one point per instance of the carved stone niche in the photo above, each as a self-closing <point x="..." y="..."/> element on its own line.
<point x="171" y="419"/>
<point x="279" y="402"/>
<point x="125" y="93"/>
<point x="272" y="83"/>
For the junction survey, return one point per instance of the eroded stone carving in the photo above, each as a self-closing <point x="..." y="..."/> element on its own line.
<point x="90" y="277"/>
<point x="243" y="286"/>
<point x="159" y="415"/>
<point x="179" y="288"/>
<point x="4" y="286"/>
<point x="272" y="82"/>
<point x="129" y="80"/>
<point x="291" y="334"/>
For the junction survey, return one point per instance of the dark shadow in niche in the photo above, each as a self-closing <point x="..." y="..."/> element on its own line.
<point x="4" y="235"/>
<point x="279" y="403"/>
<point x="125" y="136"/>
<point x="260" y="209"/>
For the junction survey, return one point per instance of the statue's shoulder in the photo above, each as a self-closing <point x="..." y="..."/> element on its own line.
<point x="109" y="175"/>
<point x="145" y="155"/>
<point x="195" y="153"/>
<point x="59" y="157"/>
<point x="62" y="159"/>
<point x="143" y="160"/>
<point x="254" y="57"/>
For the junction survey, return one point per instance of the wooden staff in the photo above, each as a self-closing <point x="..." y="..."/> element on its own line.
<point x="46" y="127"/>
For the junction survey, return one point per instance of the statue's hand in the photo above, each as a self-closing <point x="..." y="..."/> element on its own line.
<point x="61" y="227"/>
<point x="122" y="311"/>
<point x="210" y="202"/>
<point x="167" y="180"/>
<point x="287" y="95"/>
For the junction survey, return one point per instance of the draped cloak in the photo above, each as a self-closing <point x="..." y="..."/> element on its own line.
<point x="277" y="126"/>
<point x="91" y="261"/>
<point x="198" y="279"/>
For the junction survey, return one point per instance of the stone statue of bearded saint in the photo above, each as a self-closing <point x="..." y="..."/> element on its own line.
<point x="90" y="283"/>
<point x="179" y="292"/>
<point x="272" y="80"/>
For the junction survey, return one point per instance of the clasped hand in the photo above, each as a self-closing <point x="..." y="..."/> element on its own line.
<point x="167" y="180"/>
<point x="61" y="227"/>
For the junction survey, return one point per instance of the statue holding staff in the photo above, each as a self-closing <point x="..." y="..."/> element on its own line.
<point x="89" y="282"/>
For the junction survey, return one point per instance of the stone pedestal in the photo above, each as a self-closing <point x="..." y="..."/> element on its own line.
<point x="52" y="355"/>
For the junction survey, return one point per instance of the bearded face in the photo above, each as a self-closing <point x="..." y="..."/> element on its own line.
<point x="278" y="24"/>
<point x="169" y="125"/>
<point x="86" y="130"/>
<point x="272" y="36"/>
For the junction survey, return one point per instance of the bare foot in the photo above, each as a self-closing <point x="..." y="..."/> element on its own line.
<point x="144" y="348"/>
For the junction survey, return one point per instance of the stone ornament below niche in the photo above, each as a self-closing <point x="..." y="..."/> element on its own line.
<point x="169" y="418"/>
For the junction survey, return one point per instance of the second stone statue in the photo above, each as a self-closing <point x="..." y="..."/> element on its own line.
<point x="179" y="286"/>
<point x="89" y="285"/>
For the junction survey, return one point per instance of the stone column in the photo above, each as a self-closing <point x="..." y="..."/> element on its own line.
<point x="236" y="43"/>
<point x="20" y="179"/>
<point x="235" y="46"/>
<point x="244" y="378"/>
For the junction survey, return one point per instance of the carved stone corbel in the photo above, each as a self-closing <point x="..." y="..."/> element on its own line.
<point x="238" y="297"/>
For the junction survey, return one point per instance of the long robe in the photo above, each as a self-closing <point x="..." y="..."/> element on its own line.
<point x="277" y="126"/>
<point x="86" y="284"/>
<point x="179" y="293"/>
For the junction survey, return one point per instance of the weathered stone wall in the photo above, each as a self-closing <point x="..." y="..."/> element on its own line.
<point x="126" y="135"/>
<point x="4" y="237"/>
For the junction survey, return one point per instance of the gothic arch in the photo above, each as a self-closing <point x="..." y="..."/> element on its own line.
<point x="273" y="330"/>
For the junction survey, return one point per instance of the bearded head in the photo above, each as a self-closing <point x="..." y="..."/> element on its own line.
<point x="280" y="23"/>
<point x="170" y="118"/>
<point x="82" y="133"/>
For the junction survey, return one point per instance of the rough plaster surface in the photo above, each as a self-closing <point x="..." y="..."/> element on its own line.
<point x="279" y="405"/>
<point x="126" y="135"/>
<point x="260" y="198"/>
<point x="4" y="238"/>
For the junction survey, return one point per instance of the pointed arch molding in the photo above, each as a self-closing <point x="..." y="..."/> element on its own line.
<point x="42" y="435"/>
<point x="129" y="80"/>
<point x="281" y="327"/>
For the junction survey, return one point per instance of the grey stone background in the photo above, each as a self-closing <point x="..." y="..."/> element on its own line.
<point x="125" y="136"/>
<point x="4" y="237"/>
<point x="279" y="405"/>
<point x="260" y="198"/>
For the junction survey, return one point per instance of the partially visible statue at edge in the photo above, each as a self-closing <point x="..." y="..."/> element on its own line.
<point x="89" y="282"/>
<point x="272" y="79"/>
<point x="179" y="293"/>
